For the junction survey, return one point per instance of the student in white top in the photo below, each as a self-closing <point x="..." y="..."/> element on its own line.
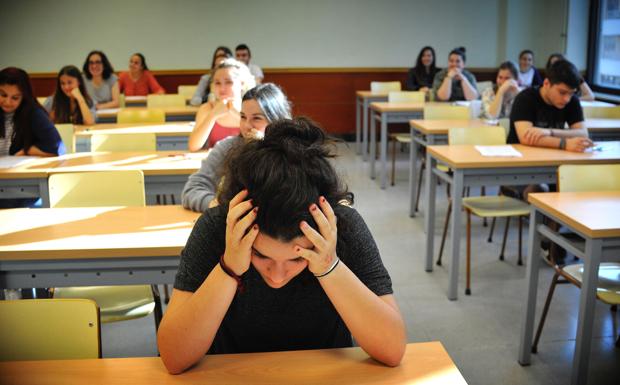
<point x="528" y="74"/>
<point x="243" y="54"/>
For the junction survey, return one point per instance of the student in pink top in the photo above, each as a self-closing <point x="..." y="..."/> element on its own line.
<point x="219" y="118"/>
<point x="138" y="81"/>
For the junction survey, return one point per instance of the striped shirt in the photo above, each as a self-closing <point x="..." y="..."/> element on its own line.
<point x="5" y="143"/>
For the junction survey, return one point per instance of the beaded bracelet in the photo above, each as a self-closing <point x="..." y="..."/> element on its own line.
<point x="331" y="268"/>
<point x="232" y="274"/>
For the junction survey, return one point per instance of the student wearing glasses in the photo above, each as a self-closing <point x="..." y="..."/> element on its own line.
<point x="100" y="80"/>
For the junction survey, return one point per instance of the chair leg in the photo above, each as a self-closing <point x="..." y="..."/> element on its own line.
<point x="468" y="278"/>
<point x="393" y="160"/>
<point x="172" y="200"/>
<point x="445" y="232"/>
<point x="422" y="167"/>
<point x="501" y="254"/>
<point x="483" y="192"/>
<point x="520" y="261"/>
<point x="157" y="312"/>
<point x="158" y="199"/>
<point x="490" y="238"/>
<point x="166" y="294"/>
<point x="543" y="316"/>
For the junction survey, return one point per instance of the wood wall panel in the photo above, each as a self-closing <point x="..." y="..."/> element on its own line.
<point x="325" y="95"/>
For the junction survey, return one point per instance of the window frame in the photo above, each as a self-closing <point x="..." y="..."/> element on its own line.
<point x="593" y="44"/>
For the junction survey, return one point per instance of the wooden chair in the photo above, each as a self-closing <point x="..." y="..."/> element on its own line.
<point x="66" y="134"/>
<point x="385" y="86"/>
<point x="169" y="100"/>
<point x="485" y="206"/>
<point x="574" y="178"/>
<point x="402" y="138"/>
<point x="597" y="112"/>
<point x="123" y="142"/>
<point x="483" y="86"/>
<point x="49" y="329"/>
<point x="107" y="188"/>
<point x="140" y="115"/>
<point x="187" y="91"/>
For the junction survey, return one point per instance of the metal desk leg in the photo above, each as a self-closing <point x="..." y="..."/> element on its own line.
<point x="373" y="144"/>
<point x="365" y="129"/>
<point x="383" y="144"/>
<point x="413" y="171"/>
<point x="429" y="211"/>
<point x="44" y="192"/>
<point x="587" y="300"/>
<point x="531" y="278"/>
<point x="455" y="232"/>
<point x="358" y="128"/>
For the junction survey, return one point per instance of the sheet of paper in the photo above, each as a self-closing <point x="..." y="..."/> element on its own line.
<point x="504" y="151"/>
<point x="14" y="161"/>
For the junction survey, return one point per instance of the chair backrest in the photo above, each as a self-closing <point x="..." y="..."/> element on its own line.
<point x="187" y="91"/>
<point x="140" y="115"/>
<point x="589" y="177"/>
<point x="49" y="329"/>
<point x="66" y="134"/>
<point x="446" y="112"/>
<point x="97" y="188"/>
<point x="406" y="97"/>
<point x="488" y="135"/>
<point x="598" y="112"/>
<point x="483" y="86"/>
<point x="385" y="86"/>
<point x="171" y="100"/>
<point x="123" y="142"/>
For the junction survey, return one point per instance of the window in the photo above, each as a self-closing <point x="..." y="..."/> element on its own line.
<point x="604" y="55"/>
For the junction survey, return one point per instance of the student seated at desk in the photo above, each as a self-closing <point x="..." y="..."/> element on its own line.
<point x="101" y="82"/>
<point x="261" y="105"/>
<point x="25" y="127"/>
<point x="528" y="74"/>
<point x="138" y="81"/>
<point x="420" y="77"/>
<point x="203" y="90"/>
<point x="244" y="55"/>
<point x="283" y="263"/>
<point x="455" y="82"/>
<point x="219" y="119"/>
<point x="497" y="101"/>
<point x="584" y="92"/>
<point x="71" y="102"/>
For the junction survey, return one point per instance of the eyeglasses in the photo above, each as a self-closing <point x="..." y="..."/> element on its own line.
<point x="95" y="62"/>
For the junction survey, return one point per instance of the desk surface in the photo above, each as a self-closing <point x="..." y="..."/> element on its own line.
<point x="94" y="232"/>
<point x="466" y="156"/>
<point x="370" y="94"/>
<point x="424" y="363"/>
<point x="595" y="214"/>
<point x="160" y="129"/>
<point x="603" y="124"/>
<point x="398" y="107"/>
<point x="172" y="111"/>
<point x="442" y="126"/>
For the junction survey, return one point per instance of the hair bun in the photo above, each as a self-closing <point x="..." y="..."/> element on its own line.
<point x="462" y="49"/>
<point x="298" y="138"/>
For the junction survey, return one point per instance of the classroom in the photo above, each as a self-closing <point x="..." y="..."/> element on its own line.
<point x="271" y="192"/>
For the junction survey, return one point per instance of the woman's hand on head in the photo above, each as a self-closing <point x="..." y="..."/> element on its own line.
<point x="322" y="257"/>
<point x="76" y="93"/>
<point x="240" y="233"/>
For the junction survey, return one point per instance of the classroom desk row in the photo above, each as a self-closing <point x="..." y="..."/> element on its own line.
<point x="173" y="114"/>
<point x="165" y="172"/>
<point x="424" y="363"/>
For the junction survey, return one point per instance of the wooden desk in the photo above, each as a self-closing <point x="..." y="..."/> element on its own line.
<point x="92" y="246"/>
<point x="469" y="169"/>
<point x="171" y="136"/>
<point x="424" y="363"/>
<point x="173" y="114"/>
<point x="135" y="101"/>
<point x="428" y="132"/>
<point x="362" y="102"/>
<point x="595" y="216"/>
<point x="595" y="103"/>
<point x="165" y="172"/>
<point x="604" y="129"/>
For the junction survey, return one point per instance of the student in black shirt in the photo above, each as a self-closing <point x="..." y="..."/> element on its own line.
<point x="540" y="114"/>
<point x="420" y="77"/>
<point x="282" y="263"/>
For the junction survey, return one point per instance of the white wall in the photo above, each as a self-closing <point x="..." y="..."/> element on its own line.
<point x="44" y="35"/>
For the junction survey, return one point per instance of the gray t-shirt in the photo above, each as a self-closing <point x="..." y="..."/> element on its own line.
<point x="103" y="93"/>
<point x="296" y="316"/>
<point x="5" y="142"/>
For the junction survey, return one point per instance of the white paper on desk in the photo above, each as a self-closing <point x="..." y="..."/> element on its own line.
<point x="14" y="161"/>
<point x="108" y="111"/>
<point x="505" y="151"/>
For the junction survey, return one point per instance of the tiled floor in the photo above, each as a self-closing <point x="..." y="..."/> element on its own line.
<point x="481" y="331"/>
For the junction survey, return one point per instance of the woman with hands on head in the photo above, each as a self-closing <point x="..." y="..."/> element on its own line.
<point x="497" y="101"/>
<point x="220" y="118"/>
<point x="282" y="263"/>
<point x="70" y="102"/>
<point x="261" y="105"/>
<point x="455" y="82"/>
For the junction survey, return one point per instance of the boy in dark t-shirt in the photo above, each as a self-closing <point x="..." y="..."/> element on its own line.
<point x="539" y="115"/>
